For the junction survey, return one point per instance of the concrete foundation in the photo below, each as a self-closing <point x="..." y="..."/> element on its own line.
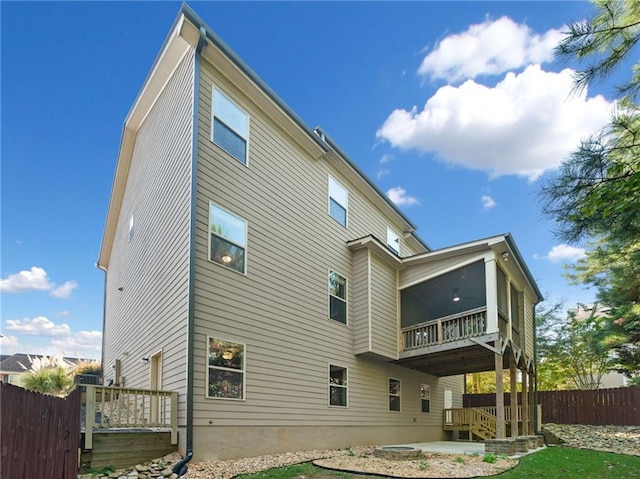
<point x="233" y="442"/>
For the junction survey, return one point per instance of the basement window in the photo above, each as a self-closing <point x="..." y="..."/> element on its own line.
<point x="425" y="397"/>
<point x="394" y="394"/>
<point x="337" y="386"/>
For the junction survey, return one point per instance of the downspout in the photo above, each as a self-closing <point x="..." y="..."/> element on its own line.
<point x="202" y="40"/>
<point x="535" y="376"/>
<point x="104" y="316"/>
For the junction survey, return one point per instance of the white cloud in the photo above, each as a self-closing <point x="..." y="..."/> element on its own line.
<point x="35" y="279"/>
<point x="399" y="196"/>
<point x="64" y="290"/>
<point x="487" y="202"/>
<point x="9" y="344"/>
<point x="63" y="314"/>
<point x="39" y="326"/>
<point x="382" y="172"/>
<point x="526" y="124"/>
<point x="385" y="159"/>
<point x="83" y="344"/>
<point x="42" y="336"/>
<point x="32" y="280"/>
<point x="564" y="252"/>
<point x="491" y="47"/>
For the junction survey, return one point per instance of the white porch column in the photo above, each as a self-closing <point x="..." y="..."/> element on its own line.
<point x="491" y="287"/>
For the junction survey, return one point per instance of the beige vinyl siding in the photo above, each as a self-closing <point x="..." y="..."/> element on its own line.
<point x="150" y="313"/>
<point x="361" y="298"/>
<point x="384" y="309"/>
<point x="418" y="272"/>
<point x="280" y="308"/>
<point x="529" y="319"/>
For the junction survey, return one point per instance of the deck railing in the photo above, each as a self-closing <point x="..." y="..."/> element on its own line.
<point x="477" y="420"/>
<point x="124" y="408"/>
<point x="467" y="324"/>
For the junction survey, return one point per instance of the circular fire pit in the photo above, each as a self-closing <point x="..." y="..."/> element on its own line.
<point x="398" y="453"/>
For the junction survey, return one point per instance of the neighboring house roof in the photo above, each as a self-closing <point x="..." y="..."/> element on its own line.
<point x="189" y="31"/>
<point x="21" y="362"/>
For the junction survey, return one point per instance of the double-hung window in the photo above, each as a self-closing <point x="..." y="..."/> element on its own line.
<point x="338" y="201"/>
<point x="425" y="397"/>
<point x="225" y="369"/>
<point x="337" y="297"/>
<point x="230" y="130"/>
<point x="393" y="241"/>
<point x="228" y="239"/>
<point x="394" y="394"/>
<point x="337" y="386"/>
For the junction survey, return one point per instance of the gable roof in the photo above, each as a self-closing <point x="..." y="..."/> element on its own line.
<point x="189" y="31"/>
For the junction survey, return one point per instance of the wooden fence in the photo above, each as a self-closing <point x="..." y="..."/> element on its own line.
<point x="40" y="434"/>
<point x="618" y="406"/>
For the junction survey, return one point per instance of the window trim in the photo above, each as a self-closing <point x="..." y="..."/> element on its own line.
<point x="246" y="239"/>
<point x="399" y="395"/>
<point x="214" y="88"/>
<point x="329" y="296"/>
<point x="208" y="367"/>
<point x="391" y="232"/>
<point x="345" y="206"/>
<point x="330" y="385"/>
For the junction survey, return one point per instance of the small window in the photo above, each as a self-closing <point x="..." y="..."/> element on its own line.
<point x="337" y="386"/>
<point x="230" y="127"/>
<point x="393" y="241"/>
<point x="394" y="394"/>
<point x="425" y="396"/>
<point x="131" y="230"/>
<point x="228" y="241"/>
<point x="337" y="297"/>
<point x="338" y="199"/>
<point x="226" y="369"/>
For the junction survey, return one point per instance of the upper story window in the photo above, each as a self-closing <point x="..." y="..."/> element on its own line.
<point x="337" y="386"/>
<point x="394" y="394"/>
<point x="393" y="241"/>
<point x="230" y="129"/>
<point x="131" y="229"/>
<point x="225" y="369"/>
<point x="337" y="297"/>
<point x="338" y="201"/>
<point x="228" y="239"/>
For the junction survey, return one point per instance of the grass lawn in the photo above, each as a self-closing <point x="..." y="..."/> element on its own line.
<point x="551" y="463"/>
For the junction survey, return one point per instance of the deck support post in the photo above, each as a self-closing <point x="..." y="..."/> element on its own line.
<point x="499" y="392"/>
<point x="514" y="395"/>
<point x="525" y="403"/>
<point x="533" y="427"/>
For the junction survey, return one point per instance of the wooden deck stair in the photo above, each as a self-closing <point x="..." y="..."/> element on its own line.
<point x="479" y="422"/>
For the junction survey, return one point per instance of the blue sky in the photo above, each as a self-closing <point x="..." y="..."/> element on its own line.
<point x="456" y="110"/>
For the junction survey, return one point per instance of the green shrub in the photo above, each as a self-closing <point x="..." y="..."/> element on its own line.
<point x="489" y="458"/>
<point x="55" y="381"/>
